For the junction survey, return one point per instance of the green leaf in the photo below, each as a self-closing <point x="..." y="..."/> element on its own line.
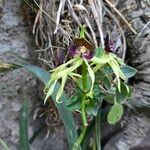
<point x="115" y="113"/>
<point x="74" y="103"/>
<point x="107" y="83"/>
<point x="96" y="90"/>
<point x="91" y="74"/>
<point x="110" y="95"/>
<point x="123" y="94"/>
<point x="131" y="89"/>
<point x="24" y="141"/>
<point x="99" y="52"/>
<point x="86" y="144"/>
<point x="3" y="145"/>
<point x="99" y="75"/>
<point x="88" y="83"/>
<point x="36" y="133"/>
<point x="91" y="108"/>
<point x="128" y="71"/>
<point x="106" y="69"/>
<point x="101" y="96"/>
<point x="109" y="98"/>
<point x="65" y="114"/>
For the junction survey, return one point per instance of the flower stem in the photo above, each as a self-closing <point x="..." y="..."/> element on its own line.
<point x="79" y="141"/>
<point x="84" y="81"/>
<point x="83" y="108"/>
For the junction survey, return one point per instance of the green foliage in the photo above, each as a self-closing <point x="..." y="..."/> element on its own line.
<point x="125" y="93"/>
<point x="107" y="83"/>
<point x="128" y="71"/>
<point x="96" y="91"/>
<point x="24" y="141"/>
<point x="109" y="98"/>
<point x="74" y="103"/>
<point x="107" y="70"/>
<point x="101" y="78"/>
<point x="36" y="133"/>
<point x="101" y="85"/>
<point x="115" y="113"/>
<point x="65" y="114"/>
<point x="88" y="84"/>
<point x="92" y="105"/>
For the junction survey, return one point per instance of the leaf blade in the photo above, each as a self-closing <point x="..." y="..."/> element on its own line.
<point x="24" y="141"/>
<point x="65" y="114"/>
<point x="115" y="113"/>
<point x="128" y="71"/>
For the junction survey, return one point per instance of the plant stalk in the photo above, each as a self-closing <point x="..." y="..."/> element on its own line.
<point x="84" y="81"/>
<point x="83" y="108"/>
<point x="98" y="128"/>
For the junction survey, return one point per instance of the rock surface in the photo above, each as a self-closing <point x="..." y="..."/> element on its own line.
<point x="135" y="124"/>
<point x="16" y="37"/>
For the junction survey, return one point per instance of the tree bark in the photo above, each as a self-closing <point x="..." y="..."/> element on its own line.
<point x="136" y="122"/>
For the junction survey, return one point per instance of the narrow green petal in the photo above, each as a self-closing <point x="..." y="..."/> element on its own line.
<point x="97" y="67"/>
<point x="60" y="74"/>
<point x="115" y="69"/>
<point x="75" y="74"/>
<point x="128" y="90"/>
<point x="118" y="59"/>
<point x="102" y="60"/>
<point x="61" y="89"/>
<point x="91" y="74"/>
<point x="48" y="85"/>
<point x="121" y="75"/>
<point x="61" y="67"/>
<point x="77" y="64"/>
<point x="50" y="91"/>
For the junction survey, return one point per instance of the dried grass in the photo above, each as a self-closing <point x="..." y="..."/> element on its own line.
<point x="58" y="22"/>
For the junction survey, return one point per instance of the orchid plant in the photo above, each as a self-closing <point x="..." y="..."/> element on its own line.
<point x="102" y="78"/>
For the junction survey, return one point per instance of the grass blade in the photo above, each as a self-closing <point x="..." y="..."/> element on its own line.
<point x="65" y="114"/>
<point x="24" y="142"/>
<point x="35" y="134"/>
<point x="3" y="145"/>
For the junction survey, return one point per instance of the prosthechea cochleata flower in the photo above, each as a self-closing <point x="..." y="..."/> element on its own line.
<point x="82" y="47"/>
<point x="82" y="51"/>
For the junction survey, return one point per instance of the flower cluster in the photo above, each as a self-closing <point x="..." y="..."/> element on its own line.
<point x="83" y="51"/>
